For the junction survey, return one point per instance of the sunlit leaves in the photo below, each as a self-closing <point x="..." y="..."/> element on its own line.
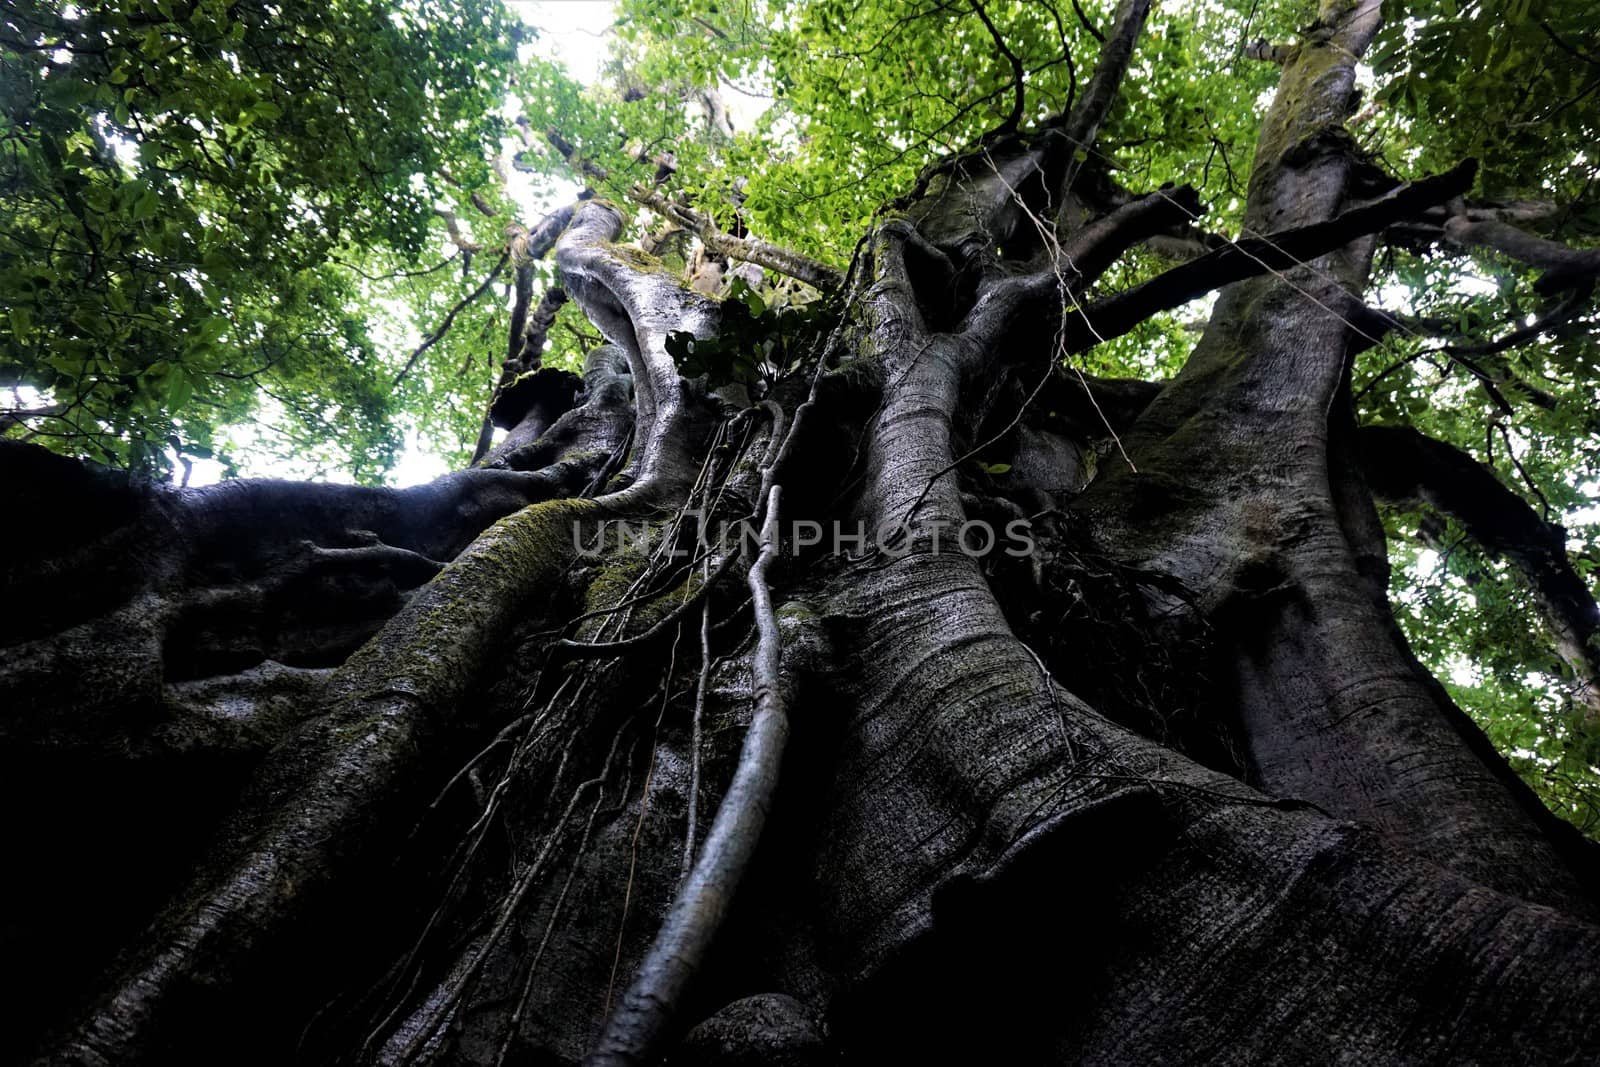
<point x="1512" y="84"/>
<point x="182" y="177"/>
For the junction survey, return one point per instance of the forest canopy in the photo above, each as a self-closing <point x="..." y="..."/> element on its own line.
<point x="291" y="233"/>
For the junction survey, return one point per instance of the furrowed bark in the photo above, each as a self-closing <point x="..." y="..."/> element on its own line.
<point x="343" y="777"/>
<point x="964" y="857"/>
<point x="1333" y="707"/>
<point x="325" y="804"/>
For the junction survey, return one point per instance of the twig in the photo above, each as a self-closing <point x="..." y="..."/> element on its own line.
<point x="1096" y="34"/>
<point x="1014" y="119"/>
<point x="449" y="320"/>
<point x="593" y="649"/>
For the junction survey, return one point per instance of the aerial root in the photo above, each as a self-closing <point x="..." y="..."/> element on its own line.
<point x="462" y="981"/>
<point x="666" y="626"/>
<point x="529" y="736"/>
<point x="634" y="1029"/>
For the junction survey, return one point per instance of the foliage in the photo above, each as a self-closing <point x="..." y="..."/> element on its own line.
<point x="755" y="344"/>
<point x="192" y="188"/>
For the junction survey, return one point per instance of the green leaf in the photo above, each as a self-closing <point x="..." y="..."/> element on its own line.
<point x="179" y="389"/>
<point x="212" y="329"/>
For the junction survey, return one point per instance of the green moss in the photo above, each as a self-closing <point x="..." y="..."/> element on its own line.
<point x="612" y="577"/>
<point x="638" y="259"/>
<point x="611" y="581"/>
<point x="449" y="628"/>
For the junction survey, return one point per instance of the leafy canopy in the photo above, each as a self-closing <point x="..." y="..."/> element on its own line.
<point x="194" y="191"/>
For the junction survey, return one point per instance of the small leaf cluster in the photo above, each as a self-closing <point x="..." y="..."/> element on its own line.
<point x="758" y="343"/>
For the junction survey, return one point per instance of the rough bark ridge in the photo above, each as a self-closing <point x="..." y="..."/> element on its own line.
<point x="1167" y="788"/>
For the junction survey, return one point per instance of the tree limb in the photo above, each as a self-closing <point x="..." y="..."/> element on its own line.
<point x="1014" y="119"/>
<point x="453" y="226"/>
<point x="746" y="249"/>
<point x="1083" y="18"/>
<point x="450" y="318"/>
<point x="1564" y="267"/>
<point x="1406" y="466"/>
<point x="525" y="339"/>
<point x="1115" y="315"/>
<point x="1082" y="125"/>
<point x="1091" y="249"/>
<point x="818" y="275"/>
<point x="1262" y="50"/>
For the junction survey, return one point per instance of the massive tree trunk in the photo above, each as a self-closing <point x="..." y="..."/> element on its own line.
<point x="319" y="774"/>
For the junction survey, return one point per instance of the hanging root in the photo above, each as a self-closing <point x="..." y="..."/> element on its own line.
<point x="634" y="1029"/>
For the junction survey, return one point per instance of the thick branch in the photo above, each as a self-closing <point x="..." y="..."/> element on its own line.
<point x="816" y="274"/>
<point x="746" y="249"/>
<point x="1261" y="49"/>
<point x="1091" y="250"/>
<point x="325" y="803"/>
<point x="528" y="246"/>
<point x="1406" y="466"/>
<point x="1082" y="125"/>
<point x="1115" y="315"/>
<point x="1564" y="267"/>
<point x="1278" y="252"/>
<point x="636" y="310"/>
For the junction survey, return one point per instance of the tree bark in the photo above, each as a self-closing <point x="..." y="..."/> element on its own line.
<point x="1168" y="787"/>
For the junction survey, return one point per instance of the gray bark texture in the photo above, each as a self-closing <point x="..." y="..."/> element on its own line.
<point x="317" y="774"/>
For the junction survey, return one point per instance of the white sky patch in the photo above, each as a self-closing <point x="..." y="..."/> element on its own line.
<point x="573" y="33"/>
<point x="414" y="466"/>
<point x="576" y="34"/>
